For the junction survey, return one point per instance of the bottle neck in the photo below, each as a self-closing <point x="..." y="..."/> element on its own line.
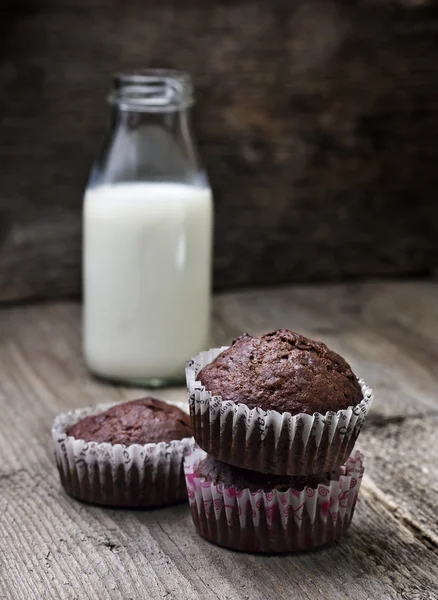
<point x="150" y="146"/>
<point x="174" y="121"/>
<point x="150" y="136"/>
<point x="168" y="129"/>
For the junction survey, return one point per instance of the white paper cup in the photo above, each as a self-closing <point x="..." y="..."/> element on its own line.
<point x="268" y="441"/>
<point x="134" y="476"/>
<point x="273" y="521"/>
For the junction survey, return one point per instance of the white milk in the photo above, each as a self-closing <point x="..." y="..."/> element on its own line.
<point x="147" y="262"/>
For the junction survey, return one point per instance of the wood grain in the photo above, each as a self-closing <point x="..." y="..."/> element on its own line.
<point x="53" y="547"/>
<point x="317" y="122"/>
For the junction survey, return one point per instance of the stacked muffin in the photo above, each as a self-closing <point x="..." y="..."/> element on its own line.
<point x="276" y="418"/>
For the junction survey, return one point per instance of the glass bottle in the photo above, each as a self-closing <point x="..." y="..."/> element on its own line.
<point x="148" y="215"/>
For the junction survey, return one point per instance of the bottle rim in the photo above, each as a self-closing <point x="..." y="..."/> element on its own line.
<point x="152" y="90"/>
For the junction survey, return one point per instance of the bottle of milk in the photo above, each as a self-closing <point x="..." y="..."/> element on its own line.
<point x="147" y="236"/>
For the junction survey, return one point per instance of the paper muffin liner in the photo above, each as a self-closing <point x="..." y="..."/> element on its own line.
<point x="273" y="521"/>
<point x="134" y="476"/>
<point x="268" y="441"/>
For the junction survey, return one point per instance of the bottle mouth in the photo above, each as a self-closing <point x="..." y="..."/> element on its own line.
<point x="152" y="90"/>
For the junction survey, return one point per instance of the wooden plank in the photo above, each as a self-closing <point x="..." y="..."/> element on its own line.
<point x="55" y="547"/>
<point x="403" y="459"/>
<point x="322" y="160"/>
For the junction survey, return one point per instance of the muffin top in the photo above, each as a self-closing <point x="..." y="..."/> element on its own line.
<point x="282" y="371"/>
<point x="143" y="421"/>
<point x="219" y="472"/>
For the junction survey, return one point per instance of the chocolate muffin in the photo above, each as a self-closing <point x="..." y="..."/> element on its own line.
<point x="217" y="471"/>
<point x="279" y="519"/>
<point x="127" y="455"/>
<point x="279" y="404"/>
<point x="282" y="371"/>
<point x="144" y="421"/>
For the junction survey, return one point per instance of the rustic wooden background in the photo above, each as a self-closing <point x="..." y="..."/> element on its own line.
<point x="317" y="121"/>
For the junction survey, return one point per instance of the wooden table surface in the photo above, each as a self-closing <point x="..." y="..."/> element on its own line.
<point x="52" y="546"/>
